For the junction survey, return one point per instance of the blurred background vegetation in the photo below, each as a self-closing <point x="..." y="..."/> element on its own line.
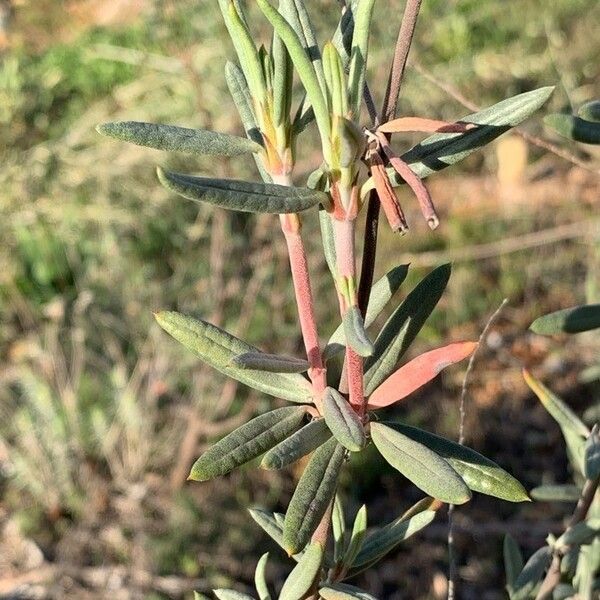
<point x="101" y="415"/>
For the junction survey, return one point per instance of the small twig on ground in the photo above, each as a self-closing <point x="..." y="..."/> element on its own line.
<point x="452" y="567"/>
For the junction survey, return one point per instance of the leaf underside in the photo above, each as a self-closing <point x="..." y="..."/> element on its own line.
<point x="243" y="196"/>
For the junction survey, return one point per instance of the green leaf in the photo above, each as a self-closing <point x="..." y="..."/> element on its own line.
<point x="301" y="579"/>
<point x="199" y="596"/>
<point x="354" y="332"/>
<point x="283" y="78"/>
<point x="260" y="579"/>
<point x="478" y="472"/>
<point x="296" y="446"/>
<point x="590" y="111"/>
<point x="426" y="469"/>
<point x="238" y="88"/>
<point x="218" y="348"/>
<point x="313" y="494"/>
<point x="532" y="573"/>
<point x="338" y="524"/>
<point x="359" y="531"/>
<point x="574" y="128"/>
<point x="556" y="493"/>
<point x="223" y="594"/>
<point x="297" y="16"/>
<point x="513" y="562"/>
<point x="580" y="533"/>
<point x="592" y="455"/>
<point x="380" y="543"/>
<point x="569" y="320"/>
<point x="247" y="442"/>
<point x="304" y="66"/>
<point x="568" y="421"/>
<point x="272" y="525"/>
<point x="342" y="591"/>
<point x="328" y="244"/>
<point x="381" y="294"/>
<point x="343" y="422"/>
<point x="403" y="326"/>
<point x="342" y="38"/>
<point x="444" y="149"/>
<point x="245" y="49"/>
<point x="358" y="55"/>
<point x="179" y="139"/>
<point x="272" y="363"/>
<point x="244" y="196"/>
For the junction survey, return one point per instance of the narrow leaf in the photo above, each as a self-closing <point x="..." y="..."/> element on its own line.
<point x="342" y="591"/>
<point x="343" y="422"/>
<point x="556" y="493"/>
<point x="338" y="524"/>
<point x="301" y="579"/>
<point x="381" y="542"/>
<point x="271" y="524"/>
<point x="358" y="55"/>
<point x="238" y="88"/>
<point x="478" y="472"/>
<point x="562" y="414"/>
<point x="532" y="573"/>
<point x="354" y="330"/>
<point x="403" y="326"/>
<point x="444" y="149"/>
<point x="272" y="363"/>
<point x="418" y="372"/>
<point x="242" y="196"/>
<point x="569" y="320"/>
<point x="282" y="82"/>
<point x="199" y="596"/>
<point x="313" y="494"/>
<point x="247" y="442"/>
<point x="179" y="139"/>
<point x="381" y="294"/>
<point x="580" y="533"/>
<point x="260" y="578"/>
<point x="223" y="594"/>
<point x="359" y="531"/>
<point x="590" y="111"/>
<point x="426" y="469"/>
<point x="592" y="455"/>
<point x="406" y="124"/>
<point x="218" y="348"/>
<point x="574" y="128"/>
<point x="299" y="444"/>
<point x="513" y="562"/>
<point x="304" y="67"/>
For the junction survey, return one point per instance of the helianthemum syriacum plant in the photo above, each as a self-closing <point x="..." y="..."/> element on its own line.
<point x="330" y="419"/>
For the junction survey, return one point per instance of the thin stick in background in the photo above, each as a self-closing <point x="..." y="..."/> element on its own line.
<point x="452" y="567"/>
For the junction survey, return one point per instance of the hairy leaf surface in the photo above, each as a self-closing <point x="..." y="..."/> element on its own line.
<point x="218" y="348"/>
<point x="248" y="442"/>
<point x="343" y="422"/>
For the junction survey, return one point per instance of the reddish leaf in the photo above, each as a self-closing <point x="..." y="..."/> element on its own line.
<point x="418" y="372"/>
<point x="414" y="182"/>
<point x="387" y="196"/>
<point x="428" y="125"/>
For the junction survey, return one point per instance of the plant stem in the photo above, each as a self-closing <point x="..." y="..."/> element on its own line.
<point x="291" y="227"/>
<point x="552" y="578"/>
<point x="403" y="44"/>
